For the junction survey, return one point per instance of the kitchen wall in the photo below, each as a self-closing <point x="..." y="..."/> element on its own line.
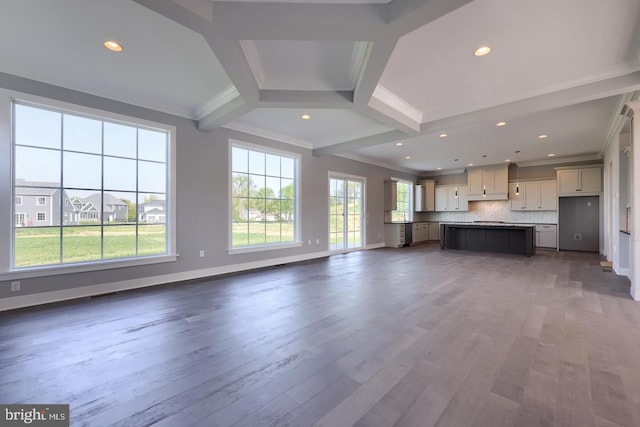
<point x="494" y="210"/>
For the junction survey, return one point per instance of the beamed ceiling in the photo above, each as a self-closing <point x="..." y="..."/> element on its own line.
<point x="370" y="73"/>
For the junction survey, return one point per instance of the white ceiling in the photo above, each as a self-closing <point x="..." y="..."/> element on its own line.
<point x="369" y="73"/>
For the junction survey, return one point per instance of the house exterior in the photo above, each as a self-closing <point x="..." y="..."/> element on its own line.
<point x="37" y="204"/>
<point x="152" y="212"/>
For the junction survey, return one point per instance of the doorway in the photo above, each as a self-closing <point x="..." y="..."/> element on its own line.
<point x="346" y="207"/>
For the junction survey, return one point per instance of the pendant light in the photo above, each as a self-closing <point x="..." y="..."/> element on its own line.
<point x="517" y="182"/>
<point x="456" y="192"/>
<point x="484" y="191"/>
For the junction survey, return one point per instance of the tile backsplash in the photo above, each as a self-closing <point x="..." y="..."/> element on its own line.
<point x="494" y="210"/>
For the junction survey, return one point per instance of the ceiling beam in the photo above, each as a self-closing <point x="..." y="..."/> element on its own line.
<point x="297" y="21"/>
<point x="405" y="16"/>
<point x="306" y="99"/>
<point x="353" y="144"/>
<point x="376" y="59"/>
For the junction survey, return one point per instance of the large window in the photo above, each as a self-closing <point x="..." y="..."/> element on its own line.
<point x="98" y="179"/>
<point x="403" y="212"/>
<point x="263" y="197"/>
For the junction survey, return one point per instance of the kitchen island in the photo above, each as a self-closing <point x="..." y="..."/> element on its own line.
<point x="500" y="237"/>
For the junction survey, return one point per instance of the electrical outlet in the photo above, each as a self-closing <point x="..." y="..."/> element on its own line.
<point x="201" y="253"/>
<point x="15" y="286"/>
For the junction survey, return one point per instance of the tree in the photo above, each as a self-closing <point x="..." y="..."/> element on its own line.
<point x="131" y="210"/>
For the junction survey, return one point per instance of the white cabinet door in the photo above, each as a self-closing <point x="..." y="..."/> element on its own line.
<point x="516" y="200"/>
<point x="548" y="196"/>
<point x="568" y="182"/>
<point x="500" y="180"/>
<point x="390" y="195"/>
<point x="590" y="180"/>
<point x="531" y="195"/>
<point x="428" y="195"/>
<point x="475" y="182"/>
<point x="434" y="231"/>
<point x="442" y="199"/>
<point x="488" y="181"/>
<point x="463" y="199"/>
<point x="418" y="200"/>
<point x="546" y="235"/>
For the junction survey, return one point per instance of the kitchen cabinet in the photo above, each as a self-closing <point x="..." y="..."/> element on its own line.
<point x="395" y="235"/>
<point x="546" y="235"/>
<point x="425" y="196"/>
<point x="578" y="181"/>
<point x="390" y="195"/>
<point x="534" y="196"/>
<point x="446" y="200"/>
<point x="425" y="232"/>
<point x="489" y="183"/>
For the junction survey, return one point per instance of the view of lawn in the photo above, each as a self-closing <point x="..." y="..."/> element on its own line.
<point x="41" y="245"/>
<point x="257" y="233"/>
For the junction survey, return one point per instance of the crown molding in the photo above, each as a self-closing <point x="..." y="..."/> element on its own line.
<point x="357" y="61"/>
<point x="221" y="99"/>
<point x="275" y="136"/>
<point x="617" y="120"/>
<point x="255" y="63"/>
<point x="557" y="160"/>
<point x="395" y="102"/>
<point x="443" y="172"/>
<point x="376" y="163"/>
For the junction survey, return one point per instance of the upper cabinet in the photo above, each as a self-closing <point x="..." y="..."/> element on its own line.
<point x="578" y="181"/>
<point x="533" y="196"/>
<point x="489" y="183"/>
<point x="390" y="195"/>
<point x="451" y="199"/>
<point x="425" y="196"/>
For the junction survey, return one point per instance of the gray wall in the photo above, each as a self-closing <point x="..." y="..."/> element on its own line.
<point x="202" y="196"/>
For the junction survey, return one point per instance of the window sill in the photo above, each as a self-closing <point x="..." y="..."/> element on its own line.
<point x="262" y="248"/>
<point x="33" y="272"/>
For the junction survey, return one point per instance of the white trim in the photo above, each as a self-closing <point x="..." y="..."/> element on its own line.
<point x="220" y="100"/>
<point x="375" y="246"/>
<point x="87" y="291"/>
<point x="358" y="158"/>
<point x="616" y="121"/>
<point x="395" y="102"/>
<point x="275" y="136"/>
<point x="557" y="160"/>
<point x="623" y="272"/>
<point x="357" y="60"/>
<point x="253" y="58"/>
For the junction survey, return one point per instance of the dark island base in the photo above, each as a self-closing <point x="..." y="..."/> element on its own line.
<point x="509" y="239"/>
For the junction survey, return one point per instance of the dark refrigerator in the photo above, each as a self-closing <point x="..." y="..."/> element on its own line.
<point x="579" y="223"/>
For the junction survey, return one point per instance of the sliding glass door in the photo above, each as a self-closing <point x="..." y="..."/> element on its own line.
<point x="346" y="206"/>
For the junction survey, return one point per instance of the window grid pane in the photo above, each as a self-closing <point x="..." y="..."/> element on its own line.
<point x="77" y="193"/>
<point x="263" y="198"/>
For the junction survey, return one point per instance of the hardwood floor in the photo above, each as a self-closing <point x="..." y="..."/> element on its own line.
<point x="404" y="337"/>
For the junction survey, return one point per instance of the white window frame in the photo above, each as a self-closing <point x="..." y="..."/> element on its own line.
<point x="297" y="215"/>
<point x="39" y="199"/>
<point x="410" y="213"/>
<point x="7" y="272"/>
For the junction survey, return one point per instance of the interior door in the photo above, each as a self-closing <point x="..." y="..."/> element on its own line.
<point x="345" y="213"/>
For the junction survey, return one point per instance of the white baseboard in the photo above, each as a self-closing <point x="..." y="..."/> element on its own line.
<point x="374" y="246"/>
<point x="105" y="288"/>
<point x="623" y="272"/>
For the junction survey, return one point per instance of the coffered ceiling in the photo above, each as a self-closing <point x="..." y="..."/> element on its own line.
<point x="369" y="73"/>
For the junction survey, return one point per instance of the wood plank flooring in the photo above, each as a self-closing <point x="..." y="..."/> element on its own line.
<point x="388" y="337"/>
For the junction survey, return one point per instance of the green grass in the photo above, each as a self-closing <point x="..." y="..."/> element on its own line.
<point x="35" y="246"/>
<point x="261" y="233"/>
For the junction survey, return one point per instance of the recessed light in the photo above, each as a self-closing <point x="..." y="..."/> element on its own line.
<point x="113" y="45"/>
<point x="399" y="144"/>
<point x="439" y="169"/>
<point x="507" y="160"/>
<point x="443" y="135"/>
<point x="470" y="164"/>
<point x="500" y="124"/>
<point x="482" y="51"/>
<point x="305" y="117"/>
<point x="550" y="155"/>
<point x="543" y="136"/>
<point x="407" y="157"/>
